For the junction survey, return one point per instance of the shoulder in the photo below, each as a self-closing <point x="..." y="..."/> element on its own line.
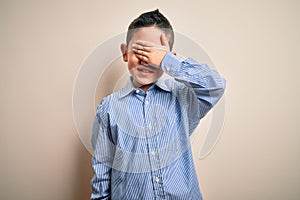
<point x="107" y="101"/>
<point x="105" y="104"/>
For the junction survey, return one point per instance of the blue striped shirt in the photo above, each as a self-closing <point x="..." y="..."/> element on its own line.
<point x="141" y="140"/>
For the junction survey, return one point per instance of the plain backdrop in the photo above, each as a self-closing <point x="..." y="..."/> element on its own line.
<point x="255" y="45"/>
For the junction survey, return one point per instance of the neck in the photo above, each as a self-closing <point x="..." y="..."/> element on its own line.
<point x="146" y="87"/>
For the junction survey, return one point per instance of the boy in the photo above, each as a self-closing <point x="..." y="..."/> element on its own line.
<point x="141" y="133"/>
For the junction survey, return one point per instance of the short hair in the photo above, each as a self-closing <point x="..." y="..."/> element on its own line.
<point x="152" y="18"/>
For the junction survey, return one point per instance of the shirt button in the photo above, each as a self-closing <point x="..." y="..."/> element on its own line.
<point x="147" y="103"/>
<point x="168" y="68"/>
<point x="150" y="127"/>
<point x="156" y="179"/>
<point x="137" y="91"/>
<point x="153" y="153"/>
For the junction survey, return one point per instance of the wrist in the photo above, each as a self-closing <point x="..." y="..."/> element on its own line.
<point x="170" y="62"/>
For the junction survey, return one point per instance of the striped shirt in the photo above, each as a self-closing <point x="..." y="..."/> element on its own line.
<point x="141" y="140"/>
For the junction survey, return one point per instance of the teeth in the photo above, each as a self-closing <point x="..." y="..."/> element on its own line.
<point x="145" y="71"/>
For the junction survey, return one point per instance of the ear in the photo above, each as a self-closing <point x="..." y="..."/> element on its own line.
<point x="164" y="41"/>
<point x="124" y="51"/>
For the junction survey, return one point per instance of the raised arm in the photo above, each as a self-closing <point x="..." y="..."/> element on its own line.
<point x="207" y="83"/>
<point x="202" y="86"/>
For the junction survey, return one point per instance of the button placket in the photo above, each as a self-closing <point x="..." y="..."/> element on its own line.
<point x="146" y="102"/>
<point x="153" y="148"/>
<point x="156" y="173"/>
<point x="158" y="183"/>
<point x="157" y="179"/>
<point x="147" y="109"/>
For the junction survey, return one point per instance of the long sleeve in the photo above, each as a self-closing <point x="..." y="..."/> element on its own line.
<point x="102" y="158"/>
<point x="203" y="86"/>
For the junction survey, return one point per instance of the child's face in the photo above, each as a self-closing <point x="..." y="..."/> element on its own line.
<point x="143" y="75"/>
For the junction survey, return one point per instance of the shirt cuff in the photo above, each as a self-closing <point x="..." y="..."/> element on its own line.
<point x="170" y="63"/>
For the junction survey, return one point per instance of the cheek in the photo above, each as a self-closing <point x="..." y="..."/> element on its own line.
<point x="133" y="61"/>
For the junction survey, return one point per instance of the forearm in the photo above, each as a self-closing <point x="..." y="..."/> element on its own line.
<point x="207" y="83"/>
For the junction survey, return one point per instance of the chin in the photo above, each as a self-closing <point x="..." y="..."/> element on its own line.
<point x="143" y="82"/>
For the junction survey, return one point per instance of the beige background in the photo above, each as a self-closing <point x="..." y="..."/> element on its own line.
<point x="254" y="44"/>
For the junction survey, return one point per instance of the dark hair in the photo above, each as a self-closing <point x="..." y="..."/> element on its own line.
<point x="148" y="19"/>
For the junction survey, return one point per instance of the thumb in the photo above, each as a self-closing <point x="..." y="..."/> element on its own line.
<point x="164" y="40"/>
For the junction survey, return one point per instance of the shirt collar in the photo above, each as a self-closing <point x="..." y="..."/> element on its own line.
<point x="129" y="87"/>
<point x="161" y="83"/>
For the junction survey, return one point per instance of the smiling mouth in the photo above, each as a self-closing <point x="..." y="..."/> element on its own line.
<point x="144" y="70"/>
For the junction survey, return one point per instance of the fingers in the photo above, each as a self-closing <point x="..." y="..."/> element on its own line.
<point x="140" y="52"/>
<point x="142" y="58"/>
<point x="150" y="53"/>
<point x="144" y="43"/>
<point x="148" y="46"/>
<point x="141" y="47"/>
